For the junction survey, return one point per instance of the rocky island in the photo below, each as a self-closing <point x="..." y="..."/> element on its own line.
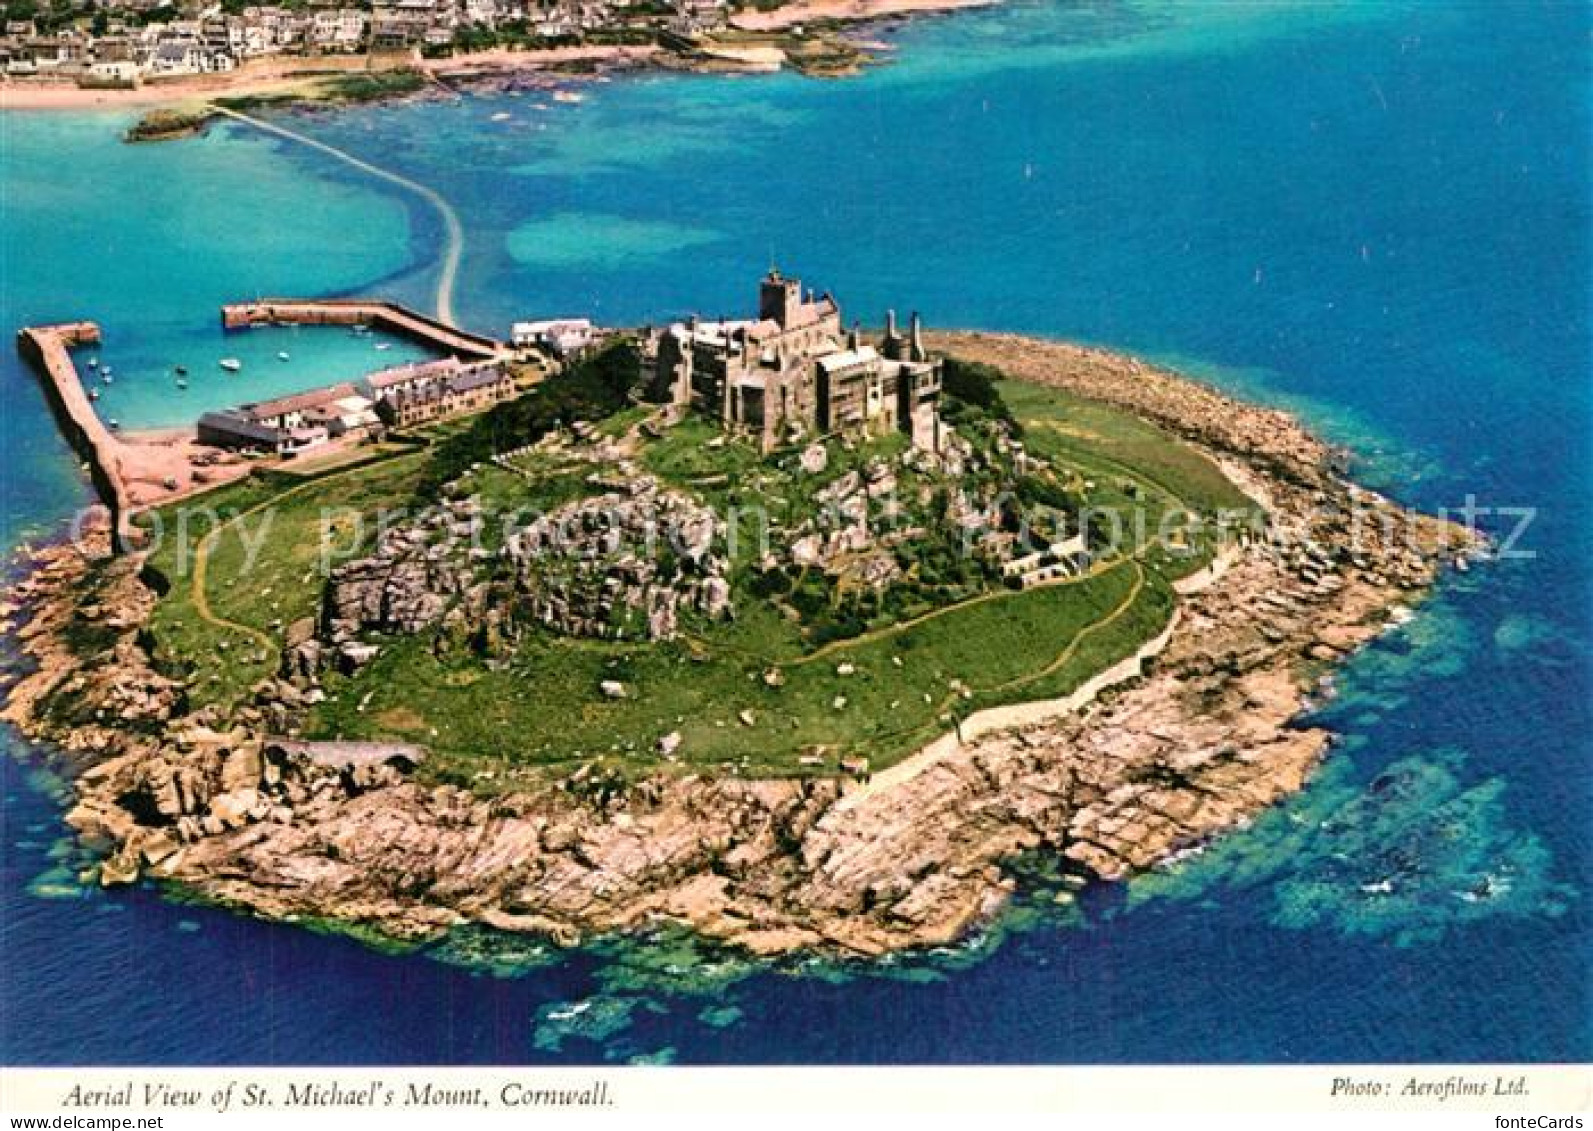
<point x="794" y="635"/>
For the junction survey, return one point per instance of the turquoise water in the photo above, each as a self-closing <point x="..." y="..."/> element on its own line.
<point x="1375" y="214"/>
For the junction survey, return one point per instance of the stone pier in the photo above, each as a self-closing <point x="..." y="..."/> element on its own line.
<point x="376" y="313"/>
<point x="48" y="349"/>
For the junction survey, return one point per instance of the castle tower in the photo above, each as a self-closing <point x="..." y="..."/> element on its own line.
<point x="892" y="344"/>
<point x="779" y="297"/>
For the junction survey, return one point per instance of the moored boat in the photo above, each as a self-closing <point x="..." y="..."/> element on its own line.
<point x="231" y="364"/>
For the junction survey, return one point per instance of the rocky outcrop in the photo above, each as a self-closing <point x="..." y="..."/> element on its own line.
<point x="413" y="577"/>
<point x="623" y="565"/>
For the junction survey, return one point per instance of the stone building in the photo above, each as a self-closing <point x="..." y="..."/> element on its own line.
<point x="464" y="388"/>
<point x="795" y="371"/>
<point x="291" y="424"/>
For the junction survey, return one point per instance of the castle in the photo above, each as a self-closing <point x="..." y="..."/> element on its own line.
<point x="796" y="371"/>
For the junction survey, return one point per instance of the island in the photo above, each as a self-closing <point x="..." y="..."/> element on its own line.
<point x="797" y="634"/>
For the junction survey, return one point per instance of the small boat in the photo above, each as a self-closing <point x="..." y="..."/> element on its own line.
<point x="113" y="424"/>
<point x="94" y="394"/>
<point x="568" y="96"/>
<point x="108" y="378"/>
<point x="384" y="345"/>
<point x="181" y="384"/>
<point x="182" y="371"/>
<point x="282" y="355"/>
<point x="93" y="363"/>
<point x="231" y="364"/>
<point x="502" y="116"/>
<point x="106" y="371"/>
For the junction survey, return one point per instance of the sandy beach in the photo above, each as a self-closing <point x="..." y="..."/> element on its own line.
<point x="282" y="76"/>
<point x="295" y="76"/>
<point x="807" y="11"/>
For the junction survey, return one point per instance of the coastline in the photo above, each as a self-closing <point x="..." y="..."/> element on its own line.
<point x="284" y="77"/>
<point x="1191" y="740"/>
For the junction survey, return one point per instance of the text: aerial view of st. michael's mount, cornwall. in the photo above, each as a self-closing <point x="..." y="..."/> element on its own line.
<point x="488" y="513"/>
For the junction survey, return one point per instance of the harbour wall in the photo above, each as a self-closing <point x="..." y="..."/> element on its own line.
<point x="48" y="350"/>
<point x="389" y="316"/>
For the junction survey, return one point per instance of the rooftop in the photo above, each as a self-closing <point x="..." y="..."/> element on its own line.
<point x="300" y="402"/>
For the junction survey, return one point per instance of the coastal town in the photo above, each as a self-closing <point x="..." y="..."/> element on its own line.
<point x="71" y="52"/>
<point x="125" y="43"/>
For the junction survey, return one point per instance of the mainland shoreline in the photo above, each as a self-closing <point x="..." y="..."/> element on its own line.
<point x="284" y="77"/>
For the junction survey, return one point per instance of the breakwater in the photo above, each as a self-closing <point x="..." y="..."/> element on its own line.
<point x="48" y="350"/>
<point x="392" y="317"/>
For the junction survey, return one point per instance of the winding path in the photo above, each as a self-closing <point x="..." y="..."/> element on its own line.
<point x="453" y="249"/>
<point x="197" y="593"/>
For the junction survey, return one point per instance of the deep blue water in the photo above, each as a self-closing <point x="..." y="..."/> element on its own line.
<point x="1377" y="215"/>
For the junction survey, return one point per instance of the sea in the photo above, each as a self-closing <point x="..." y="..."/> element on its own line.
<point x="1375" y="215"/>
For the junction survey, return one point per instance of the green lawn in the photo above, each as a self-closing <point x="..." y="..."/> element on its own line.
<point x="1138" y="472"/>
<point x="263" y="568"/>
<point x="546" y="708"/>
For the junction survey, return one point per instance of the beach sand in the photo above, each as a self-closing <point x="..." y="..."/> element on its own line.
<point x="806" y="11"/>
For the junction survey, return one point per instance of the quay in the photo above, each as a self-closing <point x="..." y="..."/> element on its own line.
<point x="376" y="313"/>
<point x="48" y="348"/>
<point x="135" y="472"/>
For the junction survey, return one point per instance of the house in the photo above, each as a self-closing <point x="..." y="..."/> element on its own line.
<point x="403" y="23"/>
<point x="794" y="371"/>
<point x="351" y="414"/>
<point x="1067" y="558"/>
<point x="288" y="425"/>
<point x="339" y="29"/>
<point x="234" y="428"/>
<point x="404" y="379"/>
<point x="562" y="337"/>
<point x="470" y="388"/>
<point x="121" y="72"/>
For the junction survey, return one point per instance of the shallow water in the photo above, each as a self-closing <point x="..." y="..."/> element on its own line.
<point x="1376" y="216"/>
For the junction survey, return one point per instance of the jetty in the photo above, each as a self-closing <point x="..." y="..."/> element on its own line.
<point x="379" y="314"/>
<point x="49" y="348"/>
